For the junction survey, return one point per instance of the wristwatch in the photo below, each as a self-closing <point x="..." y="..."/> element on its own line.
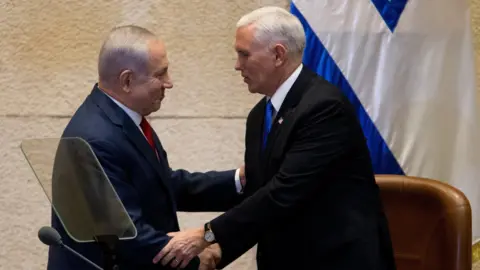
<point x="208" y="235"/>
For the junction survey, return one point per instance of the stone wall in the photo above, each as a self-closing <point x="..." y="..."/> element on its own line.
<point x="48" y="54"/>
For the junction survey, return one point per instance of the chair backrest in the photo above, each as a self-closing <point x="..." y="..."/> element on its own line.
<point x="430" y="223"/>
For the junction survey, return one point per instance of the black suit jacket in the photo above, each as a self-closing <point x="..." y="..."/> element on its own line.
<point x="312" y="201"/>
<point x="149" y="189"/>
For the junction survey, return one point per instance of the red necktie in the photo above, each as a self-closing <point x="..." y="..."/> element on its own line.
<point x="148" y="131"/>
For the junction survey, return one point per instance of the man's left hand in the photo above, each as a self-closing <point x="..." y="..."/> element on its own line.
<point x="182" y="248"/>
<point x="210" y="257"/>
<point x="243" y="180"/>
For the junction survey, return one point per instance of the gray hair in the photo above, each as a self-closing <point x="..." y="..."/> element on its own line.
<point x="276" y="25"/>
<point x="126" y="47"/>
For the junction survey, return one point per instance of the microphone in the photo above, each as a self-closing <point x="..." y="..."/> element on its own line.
<point x="50" y="237"/>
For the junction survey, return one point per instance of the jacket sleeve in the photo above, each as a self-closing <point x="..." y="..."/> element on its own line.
<point x="149" y="241"/>
<point x="212" y="191"/>
<point x="320" y="140"/>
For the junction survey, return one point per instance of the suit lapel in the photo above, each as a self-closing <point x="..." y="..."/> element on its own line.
<point x="288" y="106"/>
<point x="137" y="138"/>
<point x="158" y="164"/>
<point x="258" y="118"/>
<point x="254" y="151"/>
<point x="164" y="166"/>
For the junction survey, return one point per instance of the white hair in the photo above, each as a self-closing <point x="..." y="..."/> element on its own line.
<point x="126" y="47"/>
<point x="276" y="25"/>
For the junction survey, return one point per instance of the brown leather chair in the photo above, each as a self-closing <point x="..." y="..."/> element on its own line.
<point x="430" y="223"/>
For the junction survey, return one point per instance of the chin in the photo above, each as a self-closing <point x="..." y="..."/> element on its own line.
<point x="152" y="110"/>
<point x="147" y="112"/>
<point x="252" y="90"/>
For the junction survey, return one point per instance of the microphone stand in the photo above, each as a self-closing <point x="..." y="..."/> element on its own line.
<point x="80" y="256"/>
<point x="108" y="244"/>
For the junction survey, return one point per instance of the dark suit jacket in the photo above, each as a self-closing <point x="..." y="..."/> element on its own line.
<point x="150" y="191"/>
<point x="312" y="198"/>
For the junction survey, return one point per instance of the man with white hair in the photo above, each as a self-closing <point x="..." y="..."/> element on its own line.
<point x="133" y="78"/>
<point x="312" y="200"/>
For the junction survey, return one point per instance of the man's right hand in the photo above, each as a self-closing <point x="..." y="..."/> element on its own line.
<point x="210" y="257"/>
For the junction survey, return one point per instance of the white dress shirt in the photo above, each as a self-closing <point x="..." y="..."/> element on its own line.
<point x="282" y="91"/>
<point x="137" y="119"/>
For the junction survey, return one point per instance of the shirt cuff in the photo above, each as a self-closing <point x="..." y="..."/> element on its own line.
<point x="238" y="184"/>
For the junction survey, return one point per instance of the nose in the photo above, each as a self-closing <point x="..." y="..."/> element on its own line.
<point x="168" y="84"/>
<point x="238" y="66"/>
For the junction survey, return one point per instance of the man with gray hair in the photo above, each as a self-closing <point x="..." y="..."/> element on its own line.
<point x="133" y="78"/>
<point x="311" y="198"/>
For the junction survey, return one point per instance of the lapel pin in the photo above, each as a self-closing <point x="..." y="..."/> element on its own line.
<point x="280" y="120"/>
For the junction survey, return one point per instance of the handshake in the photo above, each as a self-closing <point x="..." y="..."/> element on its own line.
<point x="184" y="246"/>
<point x="210" y="257"/>
<point x="187" y="244"/>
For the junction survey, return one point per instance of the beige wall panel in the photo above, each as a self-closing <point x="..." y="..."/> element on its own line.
<point x="49" y="50"/>
<point x="475" y="15"/>
<point x="207" y="144"/>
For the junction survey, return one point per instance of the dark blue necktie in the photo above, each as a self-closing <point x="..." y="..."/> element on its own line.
<point x="267" y="124"/>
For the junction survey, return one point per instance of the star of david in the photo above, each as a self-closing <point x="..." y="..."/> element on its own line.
<point x="390" y="10"/>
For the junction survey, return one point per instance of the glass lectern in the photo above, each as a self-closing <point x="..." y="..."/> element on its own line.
<point x="80" y="193"/>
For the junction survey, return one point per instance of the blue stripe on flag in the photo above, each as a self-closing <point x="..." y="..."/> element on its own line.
<point x="317" y="58"/>
<point x="390" y="10"/>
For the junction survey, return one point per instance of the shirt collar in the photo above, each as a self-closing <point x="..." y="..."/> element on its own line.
<point x="282" y="91"/>
<point x="136" y="117"/>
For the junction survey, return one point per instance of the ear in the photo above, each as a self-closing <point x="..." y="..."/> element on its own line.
<point x="126" y="80"/>
<point x="280" y="54"/>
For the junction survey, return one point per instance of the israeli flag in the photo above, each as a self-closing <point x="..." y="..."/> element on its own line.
<point x="408" y="68"/>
